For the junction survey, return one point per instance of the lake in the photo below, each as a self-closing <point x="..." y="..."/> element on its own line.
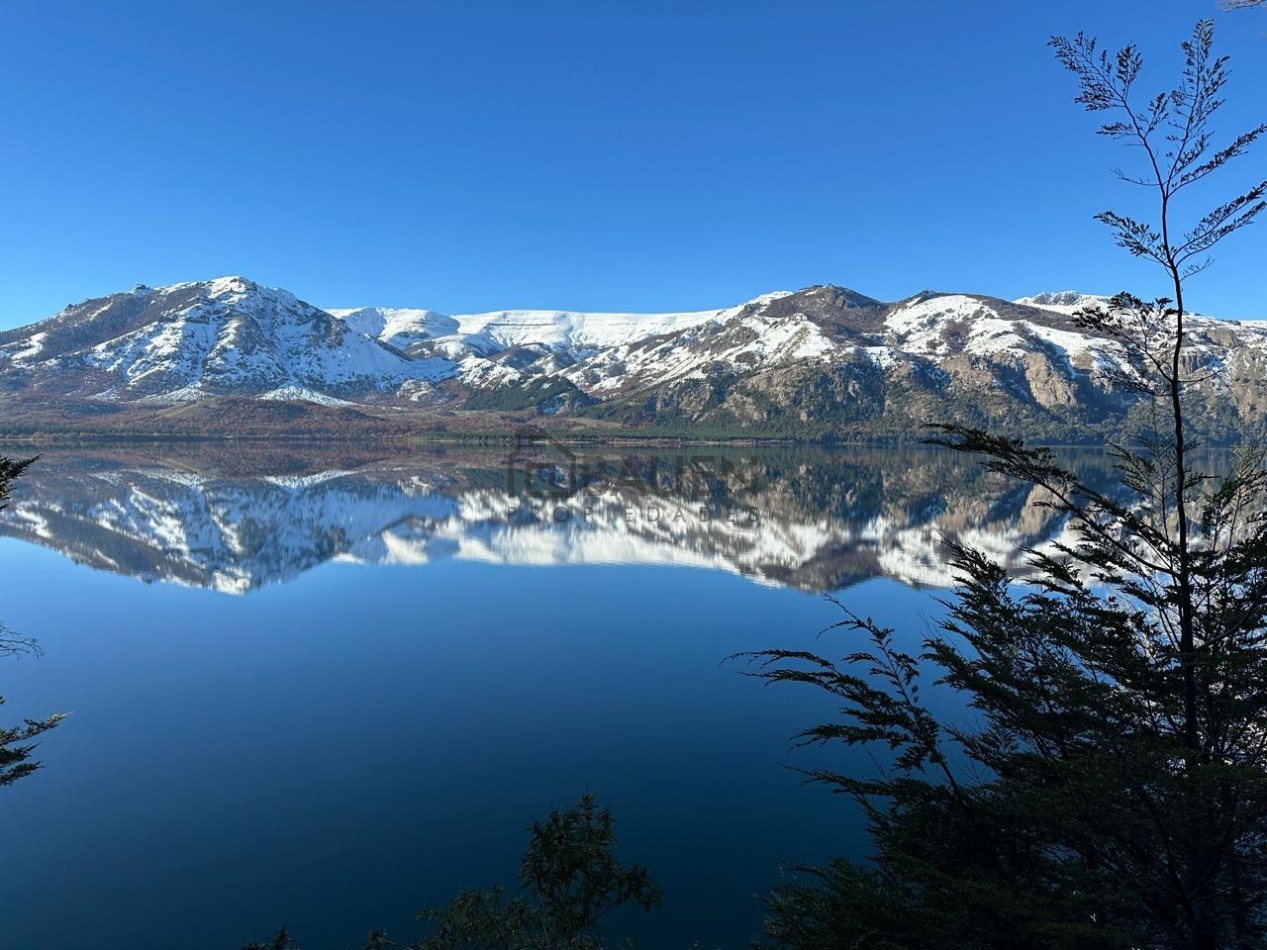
<point x="326" y="688"/>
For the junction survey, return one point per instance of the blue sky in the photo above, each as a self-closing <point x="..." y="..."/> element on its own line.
<point x="592" y="155"/>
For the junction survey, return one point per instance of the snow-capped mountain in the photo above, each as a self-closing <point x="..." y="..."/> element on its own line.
<point x="188" y="341"/>
<point x="596" y="353"/>
<point x="814" y="362"/>
<point x="1062" y="301"/>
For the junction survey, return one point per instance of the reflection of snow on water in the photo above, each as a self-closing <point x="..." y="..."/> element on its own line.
<point x="235" y="534"/>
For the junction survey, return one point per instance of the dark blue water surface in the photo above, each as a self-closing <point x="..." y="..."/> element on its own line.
<point x="348" y="738"/>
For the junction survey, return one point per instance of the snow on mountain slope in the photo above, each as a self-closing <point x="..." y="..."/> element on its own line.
<point x="941" y="325"/>
<point x="401" y="328"/>
<point x="1062" y="301"/>
<point x="227" y="335"/>
<point x="812" y="360"/>
<point x="1210" y="339"/>
<point x="576" y="332"/>
<point x="1068" y="302"/>
<point x="1042" y="327"/>
<point x="502" y="329"/>
<point x="741" y="340"/>
<point x="546" y="341"/>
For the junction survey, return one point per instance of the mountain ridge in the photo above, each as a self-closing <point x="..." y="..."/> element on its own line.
<point x="809" y="363"/>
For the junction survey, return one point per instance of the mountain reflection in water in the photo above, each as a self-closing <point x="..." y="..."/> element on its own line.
<point x="235" y="518"/>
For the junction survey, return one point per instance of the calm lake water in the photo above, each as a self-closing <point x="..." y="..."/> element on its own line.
<point x="327" y="689"/>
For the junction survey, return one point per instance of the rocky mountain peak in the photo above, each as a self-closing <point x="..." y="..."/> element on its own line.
<point x="1066" y="300"/>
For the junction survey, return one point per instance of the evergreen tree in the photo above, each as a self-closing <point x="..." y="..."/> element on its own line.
<point x="1107" y="786"/>
<point x="570" y="880"/>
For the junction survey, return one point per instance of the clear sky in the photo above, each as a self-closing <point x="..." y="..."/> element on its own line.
<point x="605" y="154"/>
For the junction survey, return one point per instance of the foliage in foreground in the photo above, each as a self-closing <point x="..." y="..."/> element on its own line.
<point x="1107" y="786"/>
<point x="17" y="742"/>
<point x="570" y="880"/>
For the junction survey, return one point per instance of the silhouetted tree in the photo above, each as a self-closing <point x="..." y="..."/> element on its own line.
<point x="570" y="880"/>
<point x="279" y="941"/>
<point x="17" y="742"/>
<point x="1107" y="786"/>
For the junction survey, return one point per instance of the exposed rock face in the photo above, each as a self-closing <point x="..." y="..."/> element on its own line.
<point x="1049" y="386"/>
<point x="819" y="362"/>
